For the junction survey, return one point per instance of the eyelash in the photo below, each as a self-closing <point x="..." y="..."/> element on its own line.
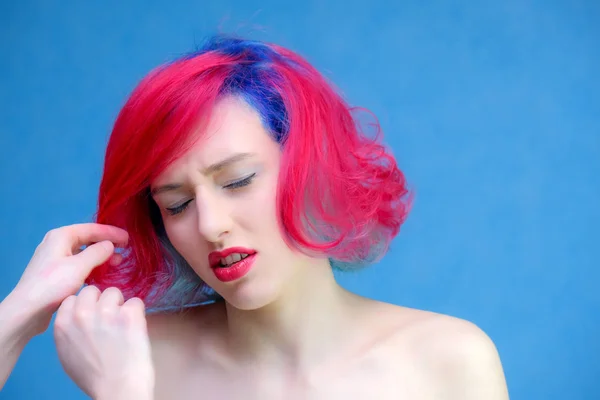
<point x="232" y="186"/>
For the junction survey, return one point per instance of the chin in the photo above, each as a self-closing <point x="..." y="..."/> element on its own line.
<point x="248" y="296"/>
<point x="258" y="289"/>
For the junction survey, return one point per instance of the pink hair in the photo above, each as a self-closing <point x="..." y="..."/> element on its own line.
<point x="340" y="191"/>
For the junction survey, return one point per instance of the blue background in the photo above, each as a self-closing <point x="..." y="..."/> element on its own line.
<point x="492" y="108"/>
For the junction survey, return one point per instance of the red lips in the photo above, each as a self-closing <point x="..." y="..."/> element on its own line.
<point x="214" y="258"/>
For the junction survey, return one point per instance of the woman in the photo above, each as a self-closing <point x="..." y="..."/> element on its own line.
<point x="240" y="180"/>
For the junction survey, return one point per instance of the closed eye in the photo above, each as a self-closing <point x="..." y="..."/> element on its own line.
<point x="176" y="210"/>
<point x="232" y="186"/>
<point x="242" y="182"/>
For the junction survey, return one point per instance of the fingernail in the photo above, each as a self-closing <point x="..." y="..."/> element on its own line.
<point x="107" y="244"/>
<point x="115" y="260"/>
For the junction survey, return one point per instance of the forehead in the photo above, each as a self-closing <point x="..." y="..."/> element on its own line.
<point x="233" y="127"/>
<point x="233" y="123"/>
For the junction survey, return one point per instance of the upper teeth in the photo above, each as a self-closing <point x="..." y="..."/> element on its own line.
<point x="230" y="259"/>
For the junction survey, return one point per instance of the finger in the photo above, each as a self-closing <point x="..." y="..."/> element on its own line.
<point x="93" y="256"/>
<point x="78" y="235"/>
<point x="115" y="259"/>
<point x="85" y="304"/>
<point x="87" y="234"/>
<point x="133" y="308"/>
<point x="65" y="310"/>
<point x="132" y="314"/>
<point x="64" y="315"/>
<point x="111" y="298"/>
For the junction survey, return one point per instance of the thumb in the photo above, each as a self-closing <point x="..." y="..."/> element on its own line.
<point x="93" y="256"/>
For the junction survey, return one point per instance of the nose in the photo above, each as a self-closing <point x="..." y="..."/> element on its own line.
<point x="214" y="220"/>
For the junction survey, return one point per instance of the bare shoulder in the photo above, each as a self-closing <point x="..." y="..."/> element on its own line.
<point x="458" y="354"/>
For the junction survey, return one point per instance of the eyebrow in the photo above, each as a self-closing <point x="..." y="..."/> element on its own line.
<point x="211" y="169"/>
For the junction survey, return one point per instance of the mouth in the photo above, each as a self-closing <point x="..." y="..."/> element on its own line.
<point x="229" y="257"/>
<point x="232" y="264"/>
<point x="231" y="260"/>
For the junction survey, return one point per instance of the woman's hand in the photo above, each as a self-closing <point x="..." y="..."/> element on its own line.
<point x="103" y="344"/>
<point x="59" y="268"/>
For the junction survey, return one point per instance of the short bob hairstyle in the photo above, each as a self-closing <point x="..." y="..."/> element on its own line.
<point x="340" y="193"/>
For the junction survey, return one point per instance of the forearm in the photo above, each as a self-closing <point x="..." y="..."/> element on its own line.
<point x="15" y="333"/>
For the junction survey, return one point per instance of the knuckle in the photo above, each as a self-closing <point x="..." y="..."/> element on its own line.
<point x="90" y="289"/>
<point x="112" y="291"/>
<point x="135" y="302"/>
<point x="134" y="307"/>
<point x="107" y="312"/>
<point x="67" y="303"/>
<point x="61" y="323"/>
<point x="82" y="315"/>
<point x="52" y="234"/>
<point x="63" y="313"/>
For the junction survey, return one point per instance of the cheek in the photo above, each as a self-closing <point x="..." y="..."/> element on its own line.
<point x="254" y="215"/>
<point x="264" y="204"/>
<point x="183" y="235"/>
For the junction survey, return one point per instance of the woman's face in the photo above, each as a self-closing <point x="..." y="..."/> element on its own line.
<point x="221" y="195"/>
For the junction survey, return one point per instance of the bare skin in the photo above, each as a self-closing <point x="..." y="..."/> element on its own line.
<point x="392" y="353"/>
<point x="286" y="329"/>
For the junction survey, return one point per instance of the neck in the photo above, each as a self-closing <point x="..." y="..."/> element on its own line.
<point x="301" y="328"/>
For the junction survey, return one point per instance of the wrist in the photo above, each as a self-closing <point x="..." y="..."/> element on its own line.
<point x="20" y="320"/>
